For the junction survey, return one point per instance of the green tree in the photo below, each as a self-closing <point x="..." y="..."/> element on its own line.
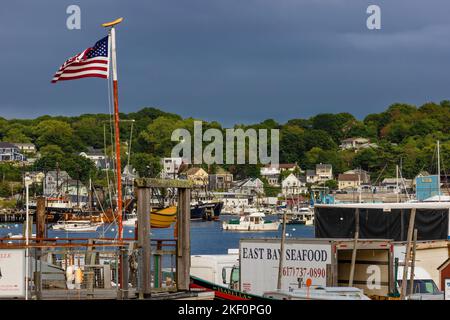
<point x="146" y="165"/>
<point x="56" y="132"/>
<point x="331" y="184"/>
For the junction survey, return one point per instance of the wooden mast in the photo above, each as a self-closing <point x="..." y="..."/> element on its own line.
<point x="116" y="120"/>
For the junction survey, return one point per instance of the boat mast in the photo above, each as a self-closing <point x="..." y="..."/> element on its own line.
<point x="396" y="174"/>
<point x="112" y="38"/>
<point x="439" y="170"/>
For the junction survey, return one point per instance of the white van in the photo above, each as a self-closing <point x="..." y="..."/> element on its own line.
<point x="424" y="287"/>
<point x="215" y="268"/>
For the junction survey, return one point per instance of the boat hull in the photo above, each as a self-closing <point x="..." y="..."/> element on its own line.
<point x="163" y="218"/>
<point x="222" y="293"/>
<point x="212" y="210"/>
<point x="198" y="212"/>
<point x="273" y="226"/>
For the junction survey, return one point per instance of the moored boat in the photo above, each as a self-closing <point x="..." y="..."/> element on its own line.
<point x="76" y="226"/>
<point x="251" y="222"/>
<point x="163" y="218"/>
<point x="198" y="211"/>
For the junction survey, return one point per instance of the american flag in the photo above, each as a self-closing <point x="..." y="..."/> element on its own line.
<point x="92" y="62"/>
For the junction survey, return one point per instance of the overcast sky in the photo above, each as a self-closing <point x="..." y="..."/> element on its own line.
<point x="234" y="61"/>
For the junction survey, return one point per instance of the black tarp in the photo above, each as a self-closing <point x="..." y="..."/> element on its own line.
<point x="339" y="222"/>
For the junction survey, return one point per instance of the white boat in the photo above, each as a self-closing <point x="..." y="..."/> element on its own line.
<point x="76" y="226"/>
<point x="130" y="221"/>
<point x="19" y="236"/>
<point x="319" y="293"/>
<point x="251" y="222"/>
<point x="303" y="215"/>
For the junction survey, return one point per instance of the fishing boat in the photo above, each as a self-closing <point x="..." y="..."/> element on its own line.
<point x="304" y="216"/>
<point x="76" y="226"/>
<point x="251" y="222"/>
<point x="163" y="218"/>
<point x="198" y="211"/>
<point x="213" y="208"/>
<point x="130" y="220"/>
<point x="221" y="292"/>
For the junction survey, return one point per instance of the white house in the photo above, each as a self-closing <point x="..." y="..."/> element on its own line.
<point x="324" y="172"/>
<point x="311" y="176"/>
<point x="100" y="160"/>
<point x="292" y="185"/>
<point x="26" y="147"/>
<point x="272" y="172"/>
<point x="56" y="182"/>
<point x="356" y="144"/>
<point x="170" y="167"/>
<point x="10" y="152"/>
<point x="249" y="186"/>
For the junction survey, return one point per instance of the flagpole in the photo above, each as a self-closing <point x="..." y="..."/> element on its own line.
<point x="112" y="35"/>
<point x="116" y="122"/>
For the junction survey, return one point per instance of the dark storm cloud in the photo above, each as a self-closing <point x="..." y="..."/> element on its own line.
<point x="228" y="60"/>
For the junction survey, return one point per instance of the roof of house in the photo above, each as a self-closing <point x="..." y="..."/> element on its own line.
<point x="310" y="172"/>
<point x="241" y="183"/>
<point x="290" y="176"/>
<point x="193" y="171"/>
<point x="24" y="144"/>
<point x="94" y="152"/>
<point x="7" y="145"/>
<point x="355" y="171"/>
<point x="348" y="177"/>
<point x="394" y="180"/>
<point x="282" y="165"/>
<point x="355" y="139"/>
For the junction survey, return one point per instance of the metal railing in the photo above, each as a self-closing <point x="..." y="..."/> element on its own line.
<point x="80" y="268"/>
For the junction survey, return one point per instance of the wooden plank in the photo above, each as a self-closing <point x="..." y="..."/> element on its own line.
<point x="355" y="245"/>
<point x="40" y="218"/>
<point x="163" y="183"/>
<point x="412" y="219"/>
<point x="413" y="264"/>
<point x="143" y="209"/>
<point x="183" y="239"/>
<point x="433" y="244"/>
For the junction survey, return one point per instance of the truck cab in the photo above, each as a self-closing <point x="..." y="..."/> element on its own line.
<point x="424" y="287"/>
<point x="230" y="277"/>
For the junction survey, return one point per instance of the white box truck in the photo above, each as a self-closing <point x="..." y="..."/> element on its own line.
<point x="320" y="262"/>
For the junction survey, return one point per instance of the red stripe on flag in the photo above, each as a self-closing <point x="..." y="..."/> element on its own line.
<point x="86" y="69"/>
<point x="83" y="76"/>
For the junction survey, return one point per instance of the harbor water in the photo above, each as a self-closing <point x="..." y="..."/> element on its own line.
<point x="207" y="237"/>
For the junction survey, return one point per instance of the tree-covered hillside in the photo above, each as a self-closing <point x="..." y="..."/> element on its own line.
<point x="405" y="134"/>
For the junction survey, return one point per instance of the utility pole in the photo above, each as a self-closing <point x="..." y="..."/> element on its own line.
<point x="283" y="239"/>
<point x="396" y="174"/>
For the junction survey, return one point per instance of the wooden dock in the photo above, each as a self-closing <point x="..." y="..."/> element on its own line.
<point x="12" y="217"/>
<point x="111" y="294"/>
